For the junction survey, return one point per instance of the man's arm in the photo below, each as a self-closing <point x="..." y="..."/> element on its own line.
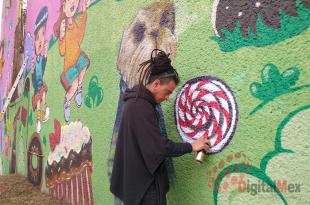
<point x="177" y="149"/>
<point x="153" y="146"/>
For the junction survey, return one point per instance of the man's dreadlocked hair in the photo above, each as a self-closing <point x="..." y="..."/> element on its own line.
<point x="158" y="67"/>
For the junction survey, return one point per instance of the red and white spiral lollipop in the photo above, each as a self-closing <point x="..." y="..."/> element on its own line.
<point x="205" y="106"/>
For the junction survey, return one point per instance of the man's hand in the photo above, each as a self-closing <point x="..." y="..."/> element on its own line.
<point x="202" y="144"/>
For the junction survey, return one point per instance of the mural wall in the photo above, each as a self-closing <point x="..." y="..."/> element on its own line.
<point x="244" y="69"/>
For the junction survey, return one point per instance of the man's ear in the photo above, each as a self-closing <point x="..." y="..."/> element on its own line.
<point x="156" y="83"/>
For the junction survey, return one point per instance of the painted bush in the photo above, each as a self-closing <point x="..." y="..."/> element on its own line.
<point x="261" y="55"/>
<point x="258" y="23"/>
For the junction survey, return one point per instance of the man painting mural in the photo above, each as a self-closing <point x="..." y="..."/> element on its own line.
<point x="139" y="173"/>
<point x="153" y="27"/>
<point x="38" y="68"/>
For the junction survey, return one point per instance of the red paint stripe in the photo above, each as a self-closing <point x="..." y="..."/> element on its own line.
<point x="214" y="105"/>
<point x="202" y="104"/>
<point x="192" y="134"/>
<point x="74" y="190"/>
<point x="220" y="94"/>
<point x="199" y="123"/>
<point x="190" y="100"/>
<point x="206" y="115"/>
<point x="206" y="133"/>
<point x="188" y="96"/>
<point x="181" y="106"/>
<point x="184" y="108"/>
<point x="227" y="116"/>
<point x="187" y="110"/>
<point x="202" y="93"/>
<point x="186" y="93"/>
<point x="202" y="83"/>
<point x="219" y="136"/>
<point x="186" y="123"/>
<point x="215" y="125"/>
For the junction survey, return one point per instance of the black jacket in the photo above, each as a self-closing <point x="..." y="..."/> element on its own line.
<point x="140" y="150"/>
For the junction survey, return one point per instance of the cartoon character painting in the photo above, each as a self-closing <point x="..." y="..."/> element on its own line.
<point x="70" y="33"/>
<point x="38" y="68"/>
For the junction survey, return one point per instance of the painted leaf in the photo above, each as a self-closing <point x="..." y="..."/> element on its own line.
<point x="290" y="76"/>
<point x="257" y="90"/>
<point x="99" y="96"/>
<point x="87" y="101"/>
<point x="270" y="74"/>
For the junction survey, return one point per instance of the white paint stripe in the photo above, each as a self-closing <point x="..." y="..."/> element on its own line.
<point x="67" y="198"/>
<point x="72" y="189"/>
<point x="81" y="176"/>
<point x="77" y="190"/>
<point x="62" y="190"/>
<point x="58" y="187"/>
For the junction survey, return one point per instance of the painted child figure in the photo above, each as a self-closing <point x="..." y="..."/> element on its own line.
<point x="70" y="33"/>
<point x="38" y="68"/>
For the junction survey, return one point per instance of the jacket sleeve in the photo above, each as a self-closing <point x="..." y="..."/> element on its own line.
<point x="154" y="148"/>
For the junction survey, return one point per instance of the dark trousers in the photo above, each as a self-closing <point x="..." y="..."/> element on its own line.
<point x="153" y="196"/>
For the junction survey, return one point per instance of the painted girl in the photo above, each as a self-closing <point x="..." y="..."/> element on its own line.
<point x="70" y="33"/>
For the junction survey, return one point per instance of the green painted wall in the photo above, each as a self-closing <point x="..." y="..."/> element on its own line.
<point x="271" y="142"/>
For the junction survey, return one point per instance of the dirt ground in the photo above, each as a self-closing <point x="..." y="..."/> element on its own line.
<point x="16" y="189"/>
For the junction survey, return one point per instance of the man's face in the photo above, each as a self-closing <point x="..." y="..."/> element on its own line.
<point x="162" y="91"/>
<point x="39" y="40"/>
